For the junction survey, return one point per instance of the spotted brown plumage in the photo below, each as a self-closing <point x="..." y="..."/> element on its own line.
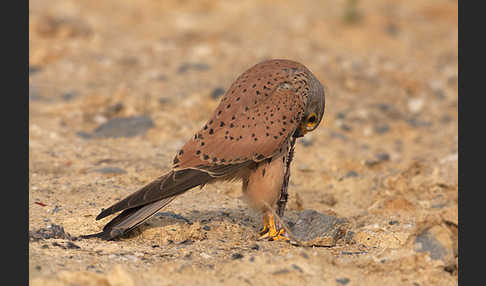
<point x="248" y="137"/>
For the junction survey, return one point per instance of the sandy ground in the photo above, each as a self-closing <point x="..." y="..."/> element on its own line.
<point x="384" y="160"/>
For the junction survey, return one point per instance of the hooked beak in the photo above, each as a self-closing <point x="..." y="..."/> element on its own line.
<point x="301" y="131"/>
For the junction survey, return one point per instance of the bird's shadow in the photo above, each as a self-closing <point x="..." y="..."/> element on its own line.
<point x="236" y="216"/>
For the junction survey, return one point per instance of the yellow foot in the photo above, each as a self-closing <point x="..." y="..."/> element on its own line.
<point x="280" y="236"/>
<point x="264" y="230"/>
<point x="269" y="230"/>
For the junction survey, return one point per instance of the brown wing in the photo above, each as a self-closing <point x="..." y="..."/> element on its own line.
<point x="255" y="118"/>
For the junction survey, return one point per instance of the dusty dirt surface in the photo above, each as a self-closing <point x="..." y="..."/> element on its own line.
<point x="383" y="163"/>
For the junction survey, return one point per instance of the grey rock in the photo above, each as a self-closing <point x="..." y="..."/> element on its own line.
<point x="312" y="228"/>
<point x="123" y="127"/>
<point x="52" y="231"/>
<point x="110" y="170"/>
<point x="426" y="242"/>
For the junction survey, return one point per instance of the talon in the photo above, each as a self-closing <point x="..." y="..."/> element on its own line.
<point x="269" y="230"/>
<point x="264" y="230"/>
<point x="265" y="233"/>
<point x="281" y="235"/>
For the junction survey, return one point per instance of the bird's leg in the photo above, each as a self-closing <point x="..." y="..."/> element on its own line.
<point x="272" y="228"/>
<point x="265" y="229"/>
<point x="282" y="202"/>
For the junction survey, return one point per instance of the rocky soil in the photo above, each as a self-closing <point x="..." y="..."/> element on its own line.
<point x="116" y="87"/>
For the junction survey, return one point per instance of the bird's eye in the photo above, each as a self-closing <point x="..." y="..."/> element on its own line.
<point x="311" y="121"/>
<point x="312" y="118"/>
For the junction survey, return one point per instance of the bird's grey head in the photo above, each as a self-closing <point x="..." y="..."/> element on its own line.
<point x="314" y="108"/>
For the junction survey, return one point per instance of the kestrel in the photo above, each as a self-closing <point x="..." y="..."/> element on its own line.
<point x="250" y="137"/>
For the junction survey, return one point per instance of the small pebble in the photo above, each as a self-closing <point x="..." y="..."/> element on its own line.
<point x="415" y="122"/>
<point x="192" y="66"/>
<point x="164" y="100"/>
<point x="341" y="115"/>
<point x="187" y="242"/>
<point x="383" y="156"/>
<point x="69" y="95"/>
<point x="342" y="281"/>
<point x="113" y="109"/>
<point x="392" y="29"/>
<point x="351" y="174"/>
<point x="71" y="245"/>
<point x="34" y="69"/>
<point x="217" y="92"/>
<point x="282" y="271"/>
<point x="236" y="256"/>
<point x="306" y="142"/>
<point x="381" y="129"/>
<point x="296" y="267"/>
<point x="379" y="158"/>
<point x="346" y="127"/>
<point x="110" y="170"/>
